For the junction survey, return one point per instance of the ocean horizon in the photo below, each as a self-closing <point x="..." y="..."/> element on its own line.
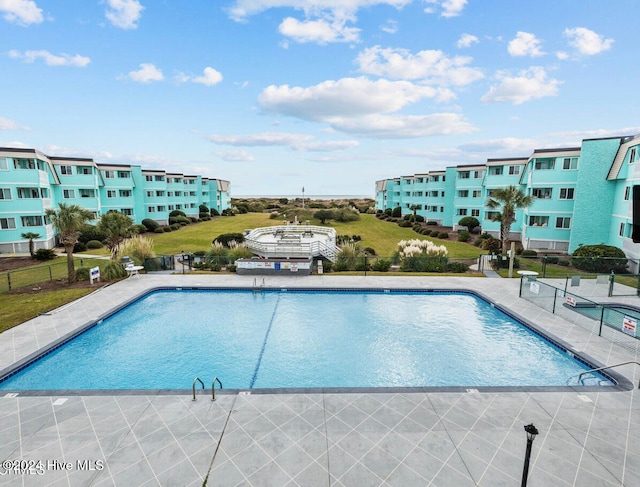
<point x="310" y="196"/>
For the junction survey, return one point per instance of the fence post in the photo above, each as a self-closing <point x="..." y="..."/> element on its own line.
<point x="544" y="266"/>
<point x="601" y="320"/>
<point x="555" y="296"/>
<point x="9" y="280"/>
<point x="50" y="274"/>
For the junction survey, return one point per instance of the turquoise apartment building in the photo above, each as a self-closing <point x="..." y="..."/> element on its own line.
<point x="581" y="195"/>
<point x="31" y="182"/>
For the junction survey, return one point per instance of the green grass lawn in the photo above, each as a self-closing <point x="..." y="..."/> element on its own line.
<point x="380" y="235"/>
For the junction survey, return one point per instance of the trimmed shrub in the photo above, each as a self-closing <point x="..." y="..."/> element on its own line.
<point x="469" y="222"/>
<point x="442" y="235"/>
<point x="82" y="274"/>
<point x="396" y="212"/>
<point x="599" y="259"/>
<point x="529" y="253"/>
<point x="404" y="223"/>
<point x="181" y="220"/>
<point x="563" y="262"/>
<point x="346" y="215"/>
<point x="150" y="224"/>
<point x="90" y="232"/>
<point x="175" y="213"/>
<point x="44" y="254"/>
<point x="362" y="264"/>
<point x="94" y="244"/>
<point x="457" y="267"/>
<point x="140" y="229"/>
<point x="370" y="251"/>
<point x="464" y="236"/>
<point x="175" y="226"/>
<point x="204" y="214"/>
<point x="416" y="228"/>
<point x="214" y="212"/>
<point x="388" y="212"/>
<point x="167" y="229"/>
<point x="381" y="265"/>
<point x="419" y="218"/>
<point x="159" y="230"/>
<point x="551" y="259"/>
<point x="80" y="247"/>
<point x="491" y="244"/>
<point x="231" y="268"/>
<point x="426" y="232"/>
<point x="431" y="222"/>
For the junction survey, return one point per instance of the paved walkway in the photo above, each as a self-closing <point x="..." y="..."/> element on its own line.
<point x="386" y="438"/>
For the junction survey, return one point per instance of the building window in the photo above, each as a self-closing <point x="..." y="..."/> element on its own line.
<point x="127" y="211"/>
<point x="4" y="165"/>
<point x="162" y="208"/>
<point x="124" y="174"/>
<point x="407" y="193"/>
<point x="178" y="193"/>
<point x="159" y="178"/>
<point x="68" y="193"/>
<point x="5" y="194"/>
<point x="44" y="192"/>
<point x="514" y="170"/>
<point x="544" y="165"/>
<point x="420" y="180"/>
<point x="478" y="174"/>
<point x="7" y="223"/>
<point x="171" y="207"/>
<point x="570" y="163"/>
<point x="632" y="155"/>
<point x="151" y="209"/>
<point x="111" y="193"/>
<point x="109" y="174"/>
<point x="461" y="212"/>
<point x="148" y="177"/>
<point x="567" y="193"/>
<point x="66" y="170"/>
<point x="563" y="222"/>
<point x="541" y="193"/>
<point x="475" y="212"/>
<point x="621" y="230"/>
<point x="627" y="193"/>
<point x="442" y="209"/>
<point x="435" y="178"/>
<point x="490" y="193"/>
<point x="150" y="194"/>
<point x="85" y="170"/>
<point x="24" y="164"/>
<point x="28" y="193"/>
<point x="87" y="193"/>
<point x="464" y="175"/>
<point x="159" y="193"/>
<point x="491" y="215"/>
<point x="442" y="194"/>
<point x="178" y="207"/>
<point x="495" y="171"/>
<point x="463" y="193"/>
<point x="538" y="221"/>
<point x="125" y="193"/>
<point x="31" y="221"/>
<point x="477" y="193"/>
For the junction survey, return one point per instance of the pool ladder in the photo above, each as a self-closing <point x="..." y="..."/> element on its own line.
<point x="608" y="367"/>
<point x="213" y="387"/>
<point x="255" y="286"/>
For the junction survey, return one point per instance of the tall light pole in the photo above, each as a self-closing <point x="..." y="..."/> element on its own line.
<point x="532" y="431"/>
<point x="182" y="252"/>
<point x="303" y="197"/>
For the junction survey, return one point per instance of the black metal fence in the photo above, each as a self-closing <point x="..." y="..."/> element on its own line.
<point x="31" y="276"/>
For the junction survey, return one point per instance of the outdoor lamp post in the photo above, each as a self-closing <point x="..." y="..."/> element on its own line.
<point x="182" y="252"/>
<point x="532" y="431"/>
<point x="365" y="263"/>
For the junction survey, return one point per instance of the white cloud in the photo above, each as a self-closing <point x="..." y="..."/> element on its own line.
<point x="51" y="59"/>
<point x="235" y="156"/>
<point x="241" y="9"/>
<point x="450" y="8"/>
<point x="390" y="27"/>
<point x="321" y="31"/>
<point x="7" y="124"/>
<point x="466" y="40"/>
<point x="432" y="67"/>
<point x="329" y="146"/>
<point x="527" y="85"/>
<point x="147" y="73"/>
<point x="265" y="139"/>
<point x="124" y="13"/>
<point x="511" y="145"/>
<point x="586" y="41"/>
<point x="21" y="12"/>
<point x="525" y="44"/>
<point x="211" y="77"/>
<point x="562" y="56"/>
<point x="345" y="97"/>
<point x="402" y="126"/>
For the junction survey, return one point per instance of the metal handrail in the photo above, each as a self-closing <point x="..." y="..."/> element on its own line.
<point x="213" y="387"/>
<point x="609" y="367"/>
<point x="193" y="387"/>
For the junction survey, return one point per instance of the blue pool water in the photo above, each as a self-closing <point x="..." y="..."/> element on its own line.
<point x="302" y="339"/>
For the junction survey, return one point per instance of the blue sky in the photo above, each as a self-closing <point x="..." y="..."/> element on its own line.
<point x="332" y="95"/>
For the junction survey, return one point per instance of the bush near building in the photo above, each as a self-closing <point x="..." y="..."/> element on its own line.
<point x="599" y="259"/>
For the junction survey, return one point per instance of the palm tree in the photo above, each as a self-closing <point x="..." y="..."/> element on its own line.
<point x="68" y="220"/>
<point x="509" y="200"/>
<point x="30" y="236"/>
<point x="116" y="226"/>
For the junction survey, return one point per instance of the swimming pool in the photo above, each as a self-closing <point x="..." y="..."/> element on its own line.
<point x="304" y="339"/>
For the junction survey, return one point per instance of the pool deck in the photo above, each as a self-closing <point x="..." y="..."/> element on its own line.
<point x="461" y="438"/>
